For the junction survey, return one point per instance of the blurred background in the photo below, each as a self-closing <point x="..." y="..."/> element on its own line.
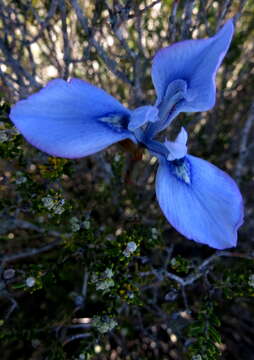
<point x="90" y="268"/>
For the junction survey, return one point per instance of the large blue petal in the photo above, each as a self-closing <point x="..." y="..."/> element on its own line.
<point x="201" y="201"/>
<point x="69" y="119"/>
<point x="196" y="62"/>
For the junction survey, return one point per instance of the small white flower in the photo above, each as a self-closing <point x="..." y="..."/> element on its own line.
<point x="20" y="178"/>
<point x="3" y="136"/>
<point x="105" y="284"/>
<point x="130" y="248"/>
<point x="30" y="281"/>
<point x="251" y="280"/>
<point x="94" y="278"/>
<point x="8" y="274"/>
<point x="48" y="202"/>
<point x="173" y="261"/>
<point x="104" y="281"/>
<point x="86" y="224"/>
<point x="108" y="273"/>
<point x="75" y="225"/>
<point x="104" y="324"/>
<point x="196" y="357"/>
<point x="126" y="253"/>
<point x="117" y="157"/>
<point x="58" y="208"/>
<point x="56" y="205"/>
<point x="35" y="343"/>
<point x="155" y="233"/>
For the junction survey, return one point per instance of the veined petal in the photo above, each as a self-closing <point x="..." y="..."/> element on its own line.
<point x="196" y="62"/>
<point x="169" y="108"/>
<point x="70" y="119"/>
<point x="201" y="201"/>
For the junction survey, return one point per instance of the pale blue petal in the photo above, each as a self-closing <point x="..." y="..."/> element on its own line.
<point x="201" y="201"/>
<point x="177" y="149"/>
<point x="169" y="108"/>
<point x="182" y="137"/>
<point x="142" y="115"/>
<point x="67" y="119"/>
<point x="196" y="62"/>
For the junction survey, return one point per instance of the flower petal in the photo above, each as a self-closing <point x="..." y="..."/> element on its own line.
<point x="182" y="137"/>
<point x="177" y="149"/>
<point x="142" y="115"/>
<point x="201" y="201"/>
<point x="169" y="108"/>
<point x="67" y="119"/>
<point x="196" y="62"/>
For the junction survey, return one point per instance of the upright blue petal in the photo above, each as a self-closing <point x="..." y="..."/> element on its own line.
<point x="142" y="115"/>
<point x="71" y="119"/>
<point x="199" y="200"/>
<point x="194" y="62"/>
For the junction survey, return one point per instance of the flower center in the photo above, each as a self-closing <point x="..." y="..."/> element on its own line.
<point x="181" y="169"/>
<point x="117" y="122"/>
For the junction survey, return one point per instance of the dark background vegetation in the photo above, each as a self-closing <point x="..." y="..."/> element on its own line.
<point x="68" y="290"/>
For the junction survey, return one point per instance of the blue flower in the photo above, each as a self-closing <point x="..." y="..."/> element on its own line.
<point x="73" y="119"/>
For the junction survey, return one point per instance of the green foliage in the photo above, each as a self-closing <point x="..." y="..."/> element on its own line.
<point x="180" y="264"/>
<point x="237" y="283"/>
<point x="205" y="334"/>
